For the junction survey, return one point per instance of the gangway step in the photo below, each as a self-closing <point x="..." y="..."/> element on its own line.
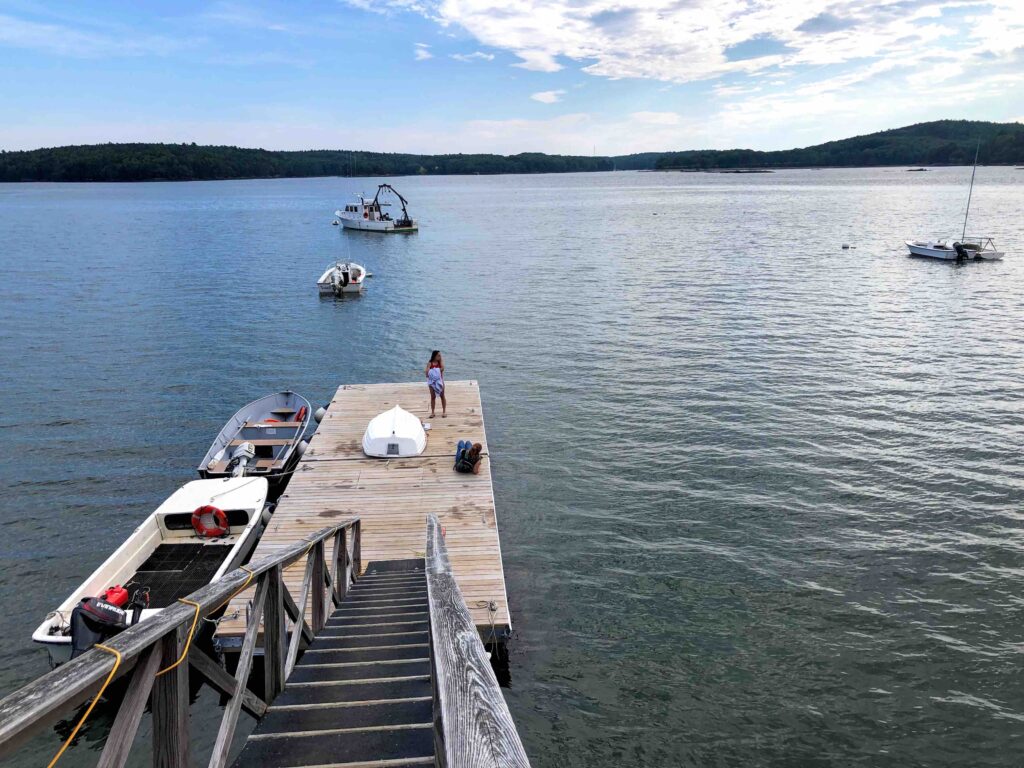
<point x="361" y="694"/>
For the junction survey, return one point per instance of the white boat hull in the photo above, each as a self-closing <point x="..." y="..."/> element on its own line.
<point x="374" y="226"/>
<point x="240" y="495"/>
<point x="340" y="279"/>
<point x="933" y="250"/>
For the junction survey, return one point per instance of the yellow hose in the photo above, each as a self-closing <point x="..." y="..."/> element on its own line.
<point x="81" y="722"/>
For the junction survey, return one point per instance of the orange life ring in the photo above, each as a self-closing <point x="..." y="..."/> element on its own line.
<point x="220" y="522"/>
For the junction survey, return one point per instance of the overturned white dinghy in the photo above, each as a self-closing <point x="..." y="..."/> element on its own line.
<point x="394" y="433"/>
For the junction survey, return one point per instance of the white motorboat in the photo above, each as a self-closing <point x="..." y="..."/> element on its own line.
<point x="206" y="529"/>
<point x="341" y="278"/>
<point x="979" y="248"/>
<point x="265" y="438"/>
<point x="368" y="214"/>
<point x="964" y="249"/>
<point x="394" y="433"/>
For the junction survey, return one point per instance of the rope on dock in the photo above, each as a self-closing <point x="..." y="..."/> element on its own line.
<point x="78" y="726"/>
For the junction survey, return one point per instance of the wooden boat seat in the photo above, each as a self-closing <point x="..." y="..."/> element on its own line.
<point x="262" y="465"/>
<point x="263" y="442"/>
<point x="284" y="411"/>
<point x="273" y="425"/>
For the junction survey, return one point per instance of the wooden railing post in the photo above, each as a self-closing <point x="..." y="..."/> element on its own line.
<point x="170" y="704"/>
<point x="357" y="551"/>
<point x="226" y="734"/>
<point x="126" y="725"/>
<point x="274" y="635"/>
<point x="319" y="613"/>
<point x="341" y="564"/>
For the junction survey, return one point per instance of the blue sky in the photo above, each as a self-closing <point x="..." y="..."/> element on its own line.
<point x="569" y="76"/>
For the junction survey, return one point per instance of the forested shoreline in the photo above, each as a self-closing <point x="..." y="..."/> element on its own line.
<point x="943" y="142"/>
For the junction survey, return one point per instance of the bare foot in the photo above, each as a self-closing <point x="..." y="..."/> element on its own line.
<point x="444" y="415"/>
<point x="431" y="415"/>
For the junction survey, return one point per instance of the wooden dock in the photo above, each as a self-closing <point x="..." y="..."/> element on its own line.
<point x="393" y="497"/>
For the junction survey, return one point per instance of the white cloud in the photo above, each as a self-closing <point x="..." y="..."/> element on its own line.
<point x="755" y="47"/>
<point x="547" y="97"/>
<point x="422" y="52"/>
<point x="469" y="58"/>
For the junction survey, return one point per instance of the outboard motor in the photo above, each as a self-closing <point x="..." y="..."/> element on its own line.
<point x="94" y="620"/>
<point x="961" y="252"/>
<point x="245" y="453"/>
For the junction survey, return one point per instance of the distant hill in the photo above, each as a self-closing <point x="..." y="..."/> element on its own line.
<point x="944" y="142"/>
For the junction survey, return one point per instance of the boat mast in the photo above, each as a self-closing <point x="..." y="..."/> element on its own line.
<point x="970" y="191"/>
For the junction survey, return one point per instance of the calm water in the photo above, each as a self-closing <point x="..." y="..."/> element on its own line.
<point x="759" y="497"/>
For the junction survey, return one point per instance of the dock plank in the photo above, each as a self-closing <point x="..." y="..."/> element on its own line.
<point x="393" y="497"/>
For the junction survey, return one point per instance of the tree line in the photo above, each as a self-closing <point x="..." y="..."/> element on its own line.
<point x="189" y="162"/>
<point x="943" y="142"/>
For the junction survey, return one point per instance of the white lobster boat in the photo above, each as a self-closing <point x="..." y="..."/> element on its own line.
<point x="206" y="529"/>
<point x="341" y="278"/>
<point x="368" y="214"/>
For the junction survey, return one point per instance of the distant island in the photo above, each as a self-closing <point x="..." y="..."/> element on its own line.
<point x="941" y="142"/>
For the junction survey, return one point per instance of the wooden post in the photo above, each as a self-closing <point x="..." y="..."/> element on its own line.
<point x="274" y="645"/>
<point x="341" y="564"/>
<point x="319" y="614"/>
<point x="357" y="552"/>
<point x="122" y="733"/>
<point x="170" y="704"/>
<point x="226" y="734"/>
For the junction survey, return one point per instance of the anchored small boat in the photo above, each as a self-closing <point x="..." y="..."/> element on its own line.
<point x="204" y="530"/>
<point x="265" y="438"/>
<point x="966" y="248"/>
<point x="394" y="433"/>
<point x="341" y="278"/>
<point x="368" y="214"/>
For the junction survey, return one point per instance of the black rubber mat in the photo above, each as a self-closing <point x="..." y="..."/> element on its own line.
<point x="178" y="570"/>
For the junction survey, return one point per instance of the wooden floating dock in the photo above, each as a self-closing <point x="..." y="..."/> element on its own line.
<point x="393" y="497"/>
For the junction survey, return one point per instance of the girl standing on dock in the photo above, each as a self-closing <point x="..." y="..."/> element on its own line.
<point x="435" y="382"/>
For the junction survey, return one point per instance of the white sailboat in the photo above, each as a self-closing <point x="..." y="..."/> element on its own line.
<point x="974" y="248"/>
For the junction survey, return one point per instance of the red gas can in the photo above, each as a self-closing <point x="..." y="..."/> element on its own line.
<point x="116" y="595"/>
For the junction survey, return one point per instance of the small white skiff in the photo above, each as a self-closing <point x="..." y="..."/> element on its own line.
<point x="264" y="438"/>
<point x="368" y="214"/>
<point x="394" y="433"/>
<point x="341" y="278"/>
<point x="206" y="529"/>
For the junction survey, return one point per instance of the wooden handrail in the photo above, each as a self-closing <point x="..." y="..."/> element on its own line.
<point x="164" y="637"/>
<point x="473" y="726"/>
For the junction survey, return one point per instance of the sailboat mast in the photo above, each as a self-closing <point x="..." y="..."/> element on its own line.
<point x="970" y="191"/>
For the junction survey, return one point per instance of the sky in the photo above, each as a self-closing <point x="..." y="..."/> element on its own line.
<point x="563" y="76"/>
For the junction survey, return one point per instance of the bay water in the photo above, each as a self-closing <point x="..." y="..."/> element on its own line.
<point x="759" y="496"/>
